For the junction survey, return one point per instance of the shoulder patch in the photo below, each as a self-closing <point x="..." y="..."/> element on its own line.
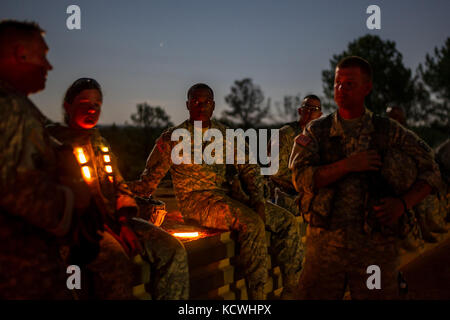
<point x="303" y="140"/>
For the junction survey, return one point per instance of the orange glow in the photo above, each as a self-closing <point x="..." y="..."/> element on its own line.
<point x="105" y="149"/>
<point x="111" y="179"/>
<point x="86" y="172"/>
<point x="80" y="155"/>
<point x="106" y="158"/>
<point x="108" y="169"/>
<point x="186" y="234"/>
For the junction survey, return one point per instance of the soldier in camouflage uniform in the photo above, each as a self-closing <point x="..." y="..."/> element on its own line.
<point x="414" y="239"/>
<point x="427" y="211"/>
<point x="443" y="159"/>
<point x="203" y="195"/>
<point x="35" y="208"/>
<point x="281" y="182"/>
<point x="356" y="213"/>
<point x="113" y="270"/>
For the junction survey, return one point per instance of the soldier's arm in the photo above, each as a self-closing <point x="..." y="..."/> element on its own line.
<point x="27" y="189"/>
<point x="283" y="176"/>
<point x="158" y="164"/>
<point x="254" y="182"/>
<point x="304" y="161"/>
<point x="428" y="171"/>
<point x="311" y="176"/>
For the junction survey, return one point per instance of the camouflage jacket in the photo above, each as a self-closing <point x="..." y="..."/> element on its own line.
<point x="30" y="194"/>
<point x="106" y="183"/>
<point x="188" y="178"/>
<point x="283" y="178"/>
<point x="443" y="159"/>
<point x="343" y="203"/>
<point x="35" y="210"/>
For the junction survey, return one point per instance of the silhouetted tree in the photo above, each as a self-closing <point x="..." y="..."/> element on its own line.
<point x="287" y="110"/>
<point x="435" y="74"/>
<point x="248" y="106"/>
<point x="148" y="116"/>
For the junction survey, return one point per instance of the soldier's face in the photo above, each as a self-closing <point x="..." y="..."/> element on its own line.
<point x="310" y="110"/>
<point x="351" y="86"/>
<point x="84" y="112"/>
<point x="33" y="64"/>
<point x="200" y="105"/>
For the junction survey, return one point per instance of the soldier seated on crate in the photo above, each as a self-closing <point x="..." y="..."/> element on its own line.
<point x="281" y="185"/>
<point x="204" y="195"/>
<point x="122" y="235"/>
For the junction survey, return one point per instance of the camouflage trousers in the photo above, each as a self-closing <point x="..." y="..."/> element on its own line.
<point x="327" y="270"/>
<point x="30" y="265"/>
<point x="215" y="209"/>
<point x="114" y="274"/>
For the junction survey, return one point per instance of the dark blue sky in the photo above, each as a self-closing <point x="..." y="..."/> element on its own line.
<point x="154" y="50"/>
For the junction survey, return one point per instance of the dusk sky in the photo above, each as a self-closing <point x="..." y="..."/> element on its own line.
<point x="153" y="51"/>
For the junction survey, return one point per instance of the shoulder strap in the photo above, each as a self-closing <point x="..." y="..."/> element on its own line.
<point x="381" y="132"/>
<point x="327" y="122"/>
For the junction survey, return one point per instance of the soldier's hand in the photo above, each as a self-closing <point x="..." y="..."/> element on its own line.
<point x="389" y="210"/>
<point x="260" y="209"/>
<point x="363" y="161"/>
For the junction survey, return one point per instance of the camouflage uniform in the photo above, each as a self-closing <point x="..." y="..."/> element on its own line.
<point x="203" y="195"/>
<point x="34" y="209"/>
<point x="433" y="210"/>
<point x="342" y="238"/>
<point x="115" y="273"/>
<point x="285" y="193"/>
<point x="443" y="159"/>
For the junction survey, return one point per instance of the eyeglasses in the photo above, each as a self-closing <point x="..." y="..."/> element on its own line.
<point x="311" y="108"/>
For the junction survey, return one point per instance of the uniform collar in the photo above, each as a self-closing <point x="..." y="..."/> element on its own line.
<point x="367" y="125"/>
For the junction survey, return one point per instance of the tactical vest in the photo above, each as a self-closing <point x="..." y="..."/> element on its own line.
<point x="331" y="149"/>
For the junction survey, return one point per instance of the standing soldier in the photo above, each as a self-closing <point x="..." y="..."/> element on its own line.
<point x="356" y="214"/>
<point x="203" y="195"/>
<point x="427" y="212"/>
<point x="281" y="182"/>
<point x="113" y="270"/>
<point x="443" y="159"/>
<point x="35" y="209"/>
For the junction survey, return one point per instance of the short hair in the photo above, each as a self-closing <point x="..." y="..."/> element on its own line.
<point x="75" y="89"/>
<point x="358" y="62"/>
<point x="12" y="31"/>
<point x="312" y="96"/>
<point x="200" y="86"/>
